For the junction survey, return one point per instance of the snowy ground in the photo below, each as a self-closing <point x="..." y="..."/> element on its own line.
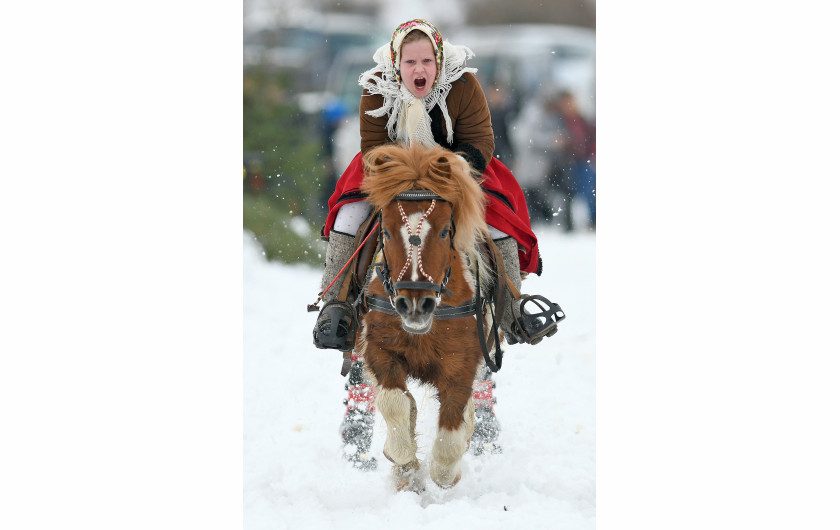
<point x="294" y="476"/>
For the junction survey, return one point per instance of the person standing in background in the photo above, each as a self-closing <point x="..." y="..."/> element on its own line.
<point x="579" y="160"/>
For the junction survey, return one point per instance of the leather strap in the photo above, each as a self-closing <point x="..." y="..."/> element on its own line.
<point x="496" y="365"/>
<point x="382" y="304"/>
<point x="346" y="363"/>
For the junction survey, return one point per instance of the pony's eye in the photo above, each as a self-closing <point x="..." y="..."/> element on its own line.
<point x="444" y="232"/>
<point x="386" y="234"/>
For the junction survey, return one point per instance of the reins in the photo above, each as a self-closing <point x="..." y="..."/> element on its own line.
<point x="479" y="322"/>
<point x="314" y="307"/>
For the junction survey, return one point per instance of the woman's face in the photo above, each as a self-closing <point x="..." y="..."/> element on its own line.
<point x="418" y="67"/>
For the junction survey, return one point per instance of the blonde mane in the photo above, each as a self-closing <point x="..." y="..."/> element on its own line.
<point x="394" y="168"/>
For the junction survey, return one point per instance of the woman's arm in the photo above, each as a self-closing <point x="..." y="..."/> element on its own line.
<point x="471" y="119"/>
<point x="374" y="131"/>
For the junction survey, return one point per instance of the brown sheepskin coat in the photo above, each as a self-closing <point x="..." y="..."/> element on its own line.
<point x="473" y="131"/>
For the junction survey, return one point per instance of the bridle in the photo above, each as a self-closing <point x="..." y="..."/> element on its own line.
<point x="415" y="244"/>
<point x="474" y="307"/>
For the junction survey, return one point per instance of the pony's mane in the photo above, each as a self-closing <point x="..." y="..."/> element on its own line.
<point x="394" y="168"/>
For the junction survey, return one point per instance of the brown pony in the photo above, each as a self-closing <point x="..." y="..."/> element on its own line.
<point x="421" y="322"/>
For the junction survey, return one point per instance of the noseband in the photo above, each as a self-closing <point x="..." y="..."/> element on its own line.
<point x="414" y="241"/>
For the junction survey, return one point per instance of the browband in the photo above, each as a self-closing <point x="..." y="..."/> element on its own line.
<point x="418" y="195"/>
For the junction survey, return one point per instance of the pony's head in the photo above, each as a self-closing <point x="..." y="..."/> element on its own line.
<point x="432" y="214"/>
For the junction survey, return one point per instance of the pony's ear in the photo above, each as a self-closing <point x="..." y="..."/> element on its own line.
<point x="375" y="159"/>
<point x="379" y="160"/>
<point x="442" y="165"/>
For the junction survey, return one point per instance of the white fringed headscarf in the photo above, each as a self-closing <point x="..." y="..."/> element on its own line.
<point x="408" y="116"/>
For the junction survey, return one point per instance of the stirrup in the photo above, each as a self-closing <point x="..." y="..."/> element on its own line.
<point x="530" y="328"/>
<point x="335" y="327"/>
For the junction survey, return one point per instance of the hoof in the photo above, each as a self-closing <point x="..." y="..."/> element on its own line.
<point x="452" y="484"/>
<point x="407" y="477"/>
<point x="445" y="478"/>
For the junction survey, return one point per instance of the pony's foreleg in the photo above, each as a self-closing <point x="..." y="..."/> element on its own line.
<point x="455" y="428"/>
<point x="399" y="410"/>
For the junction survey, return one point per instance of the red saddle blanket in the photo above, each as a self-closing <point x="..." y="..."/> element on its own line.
<point x="506" y="209"/>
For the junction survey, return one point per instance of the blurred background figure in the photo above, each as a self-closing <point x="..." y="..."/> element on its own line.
<point x="502" y="112"/>
<point x="578" y="164"/>
<point x="558" y="166"/>
<point x="254" y="178"/>
<point x="332" y="115"/>
<point x="541" y="159"/>
<point x="560" y="180"/>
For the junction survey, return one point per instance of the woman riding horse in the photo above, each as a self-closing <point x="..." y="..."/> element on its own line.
<point x="421" y="92"/>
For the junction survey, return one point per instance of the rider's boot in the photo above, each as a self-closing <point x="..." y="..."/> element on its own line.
<point x="335" y="327"/>
<point x="518" y="324"/>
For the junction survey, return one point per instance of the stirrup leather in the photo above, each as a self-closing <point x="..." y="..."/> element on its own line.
<point x="532" y="327"/>
<point x="335" y="327"/>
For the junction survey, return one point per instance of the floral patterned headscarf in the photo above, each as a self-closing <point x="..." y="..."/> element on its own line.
<point x="397" y="102"/>
<point x="406" y="28"/>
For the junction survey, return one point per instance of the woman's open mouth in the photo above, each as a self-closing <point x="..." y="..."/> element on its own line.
<point x="420" y="83"/>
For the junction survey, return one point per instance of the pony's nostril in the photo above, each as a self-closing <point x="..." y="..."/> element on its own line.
<point x="401" y="306"/>
<point x="428" y="305"/>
